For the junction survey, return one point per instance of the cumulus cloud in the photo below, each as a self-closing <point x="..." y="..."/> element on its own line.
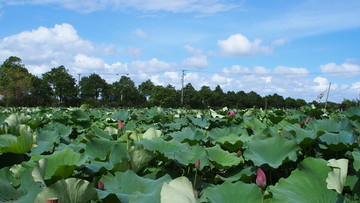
<point x="238" y="45"/>
<point x="279" y="42"/>
<point x="236" y="69"/>
<point x="193" y="51"/>
<point x="51" y="47"/>
<point x="83" y="62"/>
<point x="86" y="6"/>
<point x="140" y="33"/>
<point x="133" y="52"/>
<point x="197" y="62"/>
<point x="347" y="69"/>
<point x="291" y="71"/>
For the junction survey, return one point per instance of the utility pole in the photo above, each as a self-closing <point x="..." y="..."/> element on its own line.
<point x="182" y="87"/>
<point x="79" y="79"/>
<point x="327" y="95"/>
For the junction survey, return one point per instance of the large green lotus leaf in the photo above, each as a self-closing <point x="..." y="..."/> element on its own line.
<point x="62" y="163"/>
<point x="80" y="115"/>
<point x="63" y="130"/>
<point x="343" y="137"/>
<point x="233" y="193"/>
<point x="272" y="151"/>
<point x="337" y="177"/>
<point x="356" y="163"/>
<point x="327" y="125"/>
<point x="119" y="157"/>
<point x="200" y="154"/>
<point x="23" y="136"/>
<point x="121" y="115"/>
<point x="17" y="119"/>
<point x="172" y="149"/>
<point x="189" y="133"/>
<point x="217" y="133"/>
<point x="302" y="136"/>
<point x="140" y="157"/>
<point x="223" y="158"/>
<point x="99" y="148"/>
<point x="353" y="112"/>
<point x="201" y="122"/>
<point x="38" y="172"/>
<point x="233" y="142"/>
<point x="152" y="133"/>
<point x="305" y="184"/>
<point x="179" y="190"/>
<point x="254" y="124"/>
<point x="129" y="187"/>
<point x="245" y="175"/>
<point x="7" y="191"/>
<point x="101" y="133"/>
<point x="71" y="190"/>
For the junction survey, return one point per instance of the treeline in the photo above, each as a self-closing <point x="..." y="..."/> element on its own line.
<point x="57" y="87"/>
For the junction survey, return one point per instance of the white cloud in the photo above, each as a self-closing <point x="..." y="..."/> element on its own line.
<point x="356" y="86"/>
<point x="291" y="71"/>
<point x="140" y="33"/>
<point x="50" y="47"/>
<point x="193" y="51"/>
<point x="133" y="52"/>
<point x="236" y="70"/>
<point x="195" y="62"/>
<point x="86" y="63"/>
<point x="239" y="45"/>
<point x="347" y="69"/>
<point x="213" y="6"/>
<point x="279" y="42"/>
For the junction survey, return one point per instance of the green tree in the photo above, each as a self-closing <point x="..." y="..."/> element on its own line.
<point x="231" y="100"/>
<point x="274" y="101"/>
<point x="190" y="96"/>
<point x="255" y="100"/>
<point x="15" y="81"/>
<point x="63" y="85"/>
<point x="243" y="100"/>
<point x="165" y="96"/>
<point x="93" y="89"/>
<point x="205" y="96"/>
<point x="125" y="92"/>
<point x="218" y="98"/>
<point x="145" y="88"/>
<point x="41" y="93"/>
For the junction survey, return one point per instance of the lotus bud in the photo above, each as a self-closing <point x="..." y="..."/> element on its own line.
<point x="120" y="125"/>
<point x="232" y="113"/>
<point x="260" y="178"/>
<point x="239" y="153"/>
<point x="52" y="200"/>
<point x="299" y="124"/>
<point x="100" y="185"/>
<point x="197" y="164"/>
<point x="307" y="119"/>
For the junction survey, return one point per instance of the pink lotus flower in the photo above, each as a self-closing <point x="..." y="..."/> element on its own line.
<point x="100" y="185"/>
<point x="232" y="113"/>
<point x="120" y="125"/>
<point x="299" y="124"/>
<point x="197" y="164"/>
<point x="307" y="119"/>
<point x="260" y="178"/>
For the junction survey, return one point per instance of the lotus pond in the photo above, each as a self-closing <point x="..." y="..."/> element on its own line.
<point x="179" y="155"/>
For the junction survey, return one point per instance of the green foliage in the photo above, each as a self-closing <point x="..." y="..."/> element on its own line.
<point x="80" y="155"/>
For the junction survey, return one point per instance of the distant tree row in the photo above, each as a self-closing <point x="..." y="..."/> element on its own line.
<point x="57" y="87"/>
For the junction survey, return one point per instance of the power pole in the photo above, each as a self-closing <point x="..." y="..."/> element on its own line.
<point x="182" y="87"/>
<point x="327" y="95"/>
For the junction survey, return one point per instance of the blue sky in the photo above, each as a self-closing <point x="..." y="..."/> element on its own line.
<point x="293" y="48"/>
